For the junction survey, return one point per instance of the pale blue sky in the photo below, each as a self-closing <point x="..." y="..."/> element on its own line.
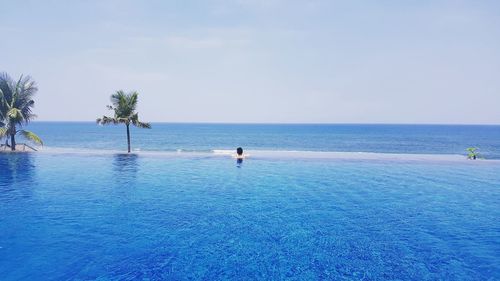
<point x="260" y="60"/>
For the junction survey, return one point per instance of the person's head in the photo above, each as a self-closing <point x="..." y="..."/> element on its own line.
<point x="239" y="151"/>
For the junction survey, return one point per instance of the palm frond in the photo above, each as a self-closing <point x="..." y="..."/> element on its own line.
<point x="26" y="89"/>
<point x="105" y="120"/>
<point x="6" y="93"/>
<point x="31" y="136"/>
<point x="3" y="132"/>
<point x="117" y="98"/>
<point x="123" y="120"/>
<point x="142" y="125"/>
<point x="134" y="119"/>
<point x="132" y="101"/>
<point x="14" y="114"/>
<point x="124" y="104"/>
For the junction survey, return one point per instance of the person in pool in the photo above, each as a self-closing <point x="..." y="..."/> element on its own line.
<point x="239" y="153"/>
<point x="239" y="156"/>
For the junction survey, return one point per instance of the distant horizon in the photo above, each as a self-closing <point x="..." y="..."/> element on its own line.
<point x="274" y="123"/>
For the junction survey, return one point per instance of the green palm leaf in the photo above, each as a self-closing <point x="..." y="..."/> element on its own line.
<point x="3" y="132"/>
<point x="15" y="114"/>
<point x="31" y="136"/>
<point x="105" y="120"/>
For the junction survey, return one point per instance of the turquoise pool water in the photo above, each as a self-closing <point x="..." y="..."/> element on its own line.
<point x="156" y="217"/>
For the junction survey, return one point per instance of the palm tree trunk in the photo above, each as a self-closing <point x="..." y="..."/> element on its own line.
<point x="13" y="142"/>
<point x="128" y="137"/>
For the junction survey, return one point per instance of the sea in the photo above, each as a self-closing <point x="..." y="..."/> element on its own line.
<point x="310" y="202"/>
<point x="400" y="139"/>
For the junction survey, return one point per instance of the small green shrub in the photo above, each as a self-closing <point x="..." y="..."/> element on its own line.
<point x="472" y="153"/>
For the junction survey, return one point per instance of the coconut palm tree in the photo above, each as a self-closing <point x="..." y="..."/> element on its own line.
<point x="16" y="103"/>
<point x="473" y="153"/>
<point x="124" y="106"/>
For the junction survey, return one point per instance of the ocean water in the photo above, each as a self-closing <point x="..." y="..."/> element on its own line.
<point x="306" y="205"/>
<point x="156" y="217"/>
<point x="409" y="139"/>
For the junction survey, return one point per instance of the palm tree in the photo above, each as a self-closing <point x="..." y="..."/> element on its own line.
<point x="124" y="106"/>
<point x="16" y="103"/>
<point x="472" y="153"/>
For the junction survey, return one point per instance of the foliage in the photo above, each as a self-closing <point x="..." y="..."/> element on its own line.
<point x="124" y="106"/>
<point x="16" y="104"/>
<point x="472" y="153"/>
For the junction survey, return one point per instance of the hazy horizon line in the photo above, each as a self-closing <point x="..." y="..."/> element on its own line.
<point x="282" y="123"/>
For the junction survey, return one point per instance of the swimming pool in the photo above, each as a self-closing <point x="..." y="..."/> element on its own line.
<point x="127" y="217"/>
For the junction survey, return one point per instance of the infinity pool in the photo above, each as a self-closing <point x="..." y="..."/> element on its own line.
<point x="128" y="217"/>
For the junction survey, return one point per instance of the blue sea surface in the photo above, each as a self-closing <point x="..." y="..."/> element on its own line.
<point x="151" y="217"/>
<point x="419" y="139"/>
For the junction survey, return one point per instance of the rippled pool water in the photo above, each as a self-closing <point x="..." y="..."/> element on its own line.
<point x="128" y="217"/>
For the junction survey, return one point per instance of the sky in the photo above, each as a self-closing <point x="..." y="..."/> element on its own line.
<point x="260" y="61"/>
